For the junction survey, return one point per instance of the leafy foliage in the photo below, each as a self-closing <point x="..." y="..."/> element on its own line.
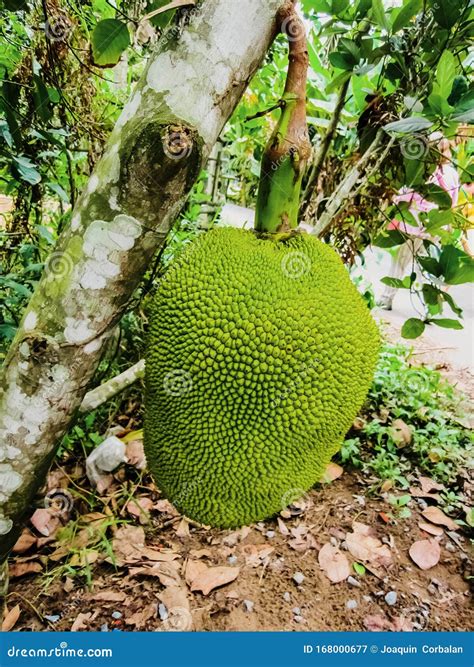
<point x="429" y="409"/>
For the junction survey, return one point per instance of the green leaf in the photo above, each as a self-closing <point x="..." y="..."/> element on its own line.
<point x="451" y="303"/>
<point x="447" y="12"/>
<point x="16" y="5"/>
<point x="379" y="14"/>
<point x="342" y="60"/>
<point x="431" y="294"/>
<point x="339" y="6"/>
<point x="413" y="328"/>
<point x="438" y="219"/>
<point x="408" y="125"/>
<point x="456" y="266"/>
<point x="109" y="40"/>
<point x="459" y="88"/>
<point x="405" y="283"/>
<point x="363" y="8"/>
<point x="436" y="194"/>
<point x="405" y="14"/>
<point x="431" y="265"/>
<point x="358" y="568"/>
<point x="41" y="99"/>
<point x="57" y="189"/>
<point x="26" y="170"/>
<point x="445" y="73"/>
<point x="446" y="323"/>
<point x="389" y="239"/>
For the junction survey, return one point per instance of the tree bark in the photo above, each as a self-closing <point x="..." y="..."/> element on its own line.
<point x="190" y="87"/>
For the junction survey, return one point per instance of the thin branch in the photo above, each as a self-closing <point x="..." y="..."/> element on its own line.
<point x="112" y="387"/>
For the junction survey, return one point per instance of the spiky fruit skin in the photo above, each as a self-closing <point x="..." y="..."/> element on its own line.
<point x="260" y="354"/>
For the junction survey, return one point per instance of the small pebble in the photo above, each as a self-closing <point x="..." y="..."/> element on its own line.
<point x="333" y="541"/>
<point x="378" y="594"/>
<point x="450" y="547"/>
<point x="270" y="533"/>
<point x="52" y="619"/>
<point x="298" y="619"/>
<point x="286" y="596"/>
<point x="432" y="589"/>
<point x="232" y="560"/>
<point x="351" y="604"/>
<point x="367" y="598"/>
<point x="104" y="628"/>
<point x="116" y="614"/>
<point x="352" y="581"/>
<point x="391" y="598"/>
<point x="296" y="611"/>
<point x="298" y="578"/>
<point x="162" y="612"/>
<point x="249" y="605"/>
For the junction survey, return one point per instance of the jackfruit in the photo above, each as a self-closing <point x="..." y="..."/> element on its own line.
<point x="259" y="356"/>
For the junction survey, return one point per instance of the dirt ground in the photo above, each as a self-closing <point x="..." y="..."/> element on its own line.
<point x="267" y="560"/>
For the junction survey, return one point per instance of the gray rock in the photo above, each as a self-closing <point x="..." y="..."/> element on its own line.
<point x="391" y="598"/>
<point x="352" y="581"/>
<point x="298" y="619"/>
<point x="162" y="612"/>
<point x="351" y="604"/>
<point x="286" y="596"/>
<point x="54" y="618"/>
<point x="298" y="578"/>
<point x="232" y="560"/>
<point x="270" y="533"/>
<point x="116" y="614"/>
<point x="249" y="605"/>
<point x="104" y="628"/>
<point x="296" y="611"/>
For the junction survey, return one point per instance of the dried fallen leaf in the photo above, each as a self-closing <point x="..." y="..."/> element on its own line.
<point x="128" y="543"/>
<point x="206" y="579"/>
<point x="20" y="569"/>
<point x="167" y="573"/>
<point x="400" y="433"/>
<point x="235" y="536"/>
<point x="437" y="516"/>
<point x="135" y="454"/>
<point x="333" y="471"/>
<point x="140" y="617"/>
<point x="282" y="527"/>
<point x="109" y="596"/>
<point x="45" y="522"/>
<point x="428" y="485"/>
<point x="334" y="563"/>
<point x="24" y="542"/>
<point x="430" y="528"/>
<point x="376" y="623"/>
<point x="165" y="507"/>
<point x="175" y="599"/>
<point x="10" y="619"/>
<point x="183" y="528"/>
<point x="425" y="553"/>
<point x="140" y="509"/>
<point x="365" y="546"/>
<point x="81" y="621"/>
<point x="255" y="554"/>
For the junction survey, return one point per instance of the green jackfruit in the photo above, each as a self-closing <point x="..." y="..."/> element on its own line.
<point x="260" y="354"/>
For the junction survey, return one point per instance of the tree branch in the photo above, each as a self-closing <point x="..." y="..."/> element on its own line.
<point x="112" y="387"/>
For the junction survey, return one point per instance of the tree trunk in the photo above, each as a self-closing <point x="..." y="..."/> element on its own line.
<point x="189" y="89"/>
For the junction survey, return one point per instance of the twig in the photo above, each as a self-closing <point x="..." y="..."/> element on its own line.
<point x="115" y="385"/>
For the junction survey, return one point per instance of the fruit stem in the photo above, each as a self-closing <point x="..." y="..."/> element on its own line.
<point x="286" y="154"/>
